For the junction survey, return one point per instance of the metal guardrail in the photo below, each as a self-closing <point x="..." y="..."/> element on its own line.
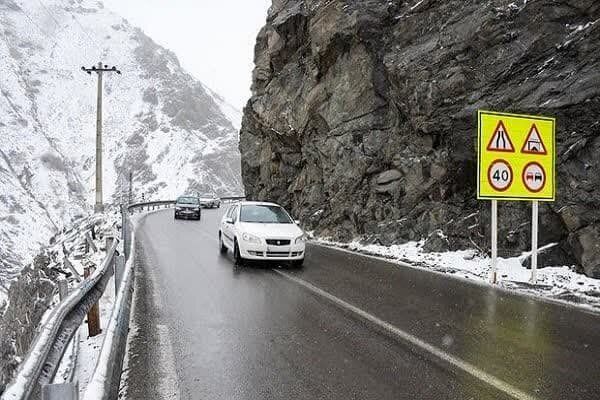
<point x="50" y="344"/>
<point x="42" y="362"/>
<point x="105" y="381"/>
<point x="154" y="205"/>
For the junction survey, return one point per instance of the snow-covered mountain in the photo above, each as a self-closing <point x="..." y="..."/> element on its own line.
<point x="171" y="131"/>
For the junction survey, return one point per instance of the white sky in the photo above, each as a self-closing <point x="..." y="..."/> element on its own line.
<point x="213" y="39"/>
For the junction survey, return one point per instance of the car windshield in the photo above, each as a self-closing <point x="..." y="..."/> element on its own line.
<point x="187" y="200"/>
<point x="264" y="214"/>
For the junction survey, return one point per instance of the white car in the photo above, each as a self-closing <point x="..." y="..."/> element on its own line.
<point x="210" y="200"/>
<point x="261" y="231"/>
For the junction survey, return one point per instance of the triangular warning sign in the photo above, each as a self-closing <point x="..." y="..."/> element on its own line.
<point x="534" y="143"/>
<point x="501" y="140"/>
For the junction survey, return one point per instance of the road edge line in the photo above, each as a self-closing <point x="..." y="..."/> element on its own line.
<point x="467" y="367"/>
<point x="510" y="291"/>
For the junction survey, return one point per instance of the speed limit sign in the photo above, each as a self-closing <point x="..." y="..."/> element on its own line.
<point x="500" y="175"/>
<point x="521" y="145"/>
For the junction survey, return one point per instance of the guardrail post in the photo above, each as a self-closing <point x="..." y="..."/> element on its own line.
<point x="63" y="289"/>
<point x="62" y="391"/>
<point x="72" y="268"/>
<point x="93" y="317"/>
<point x="109" y="241"/>
<point x="90" y="242"/>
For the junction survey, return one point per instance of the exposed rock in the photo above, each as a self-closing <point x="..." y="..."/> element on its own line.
<point x="388" y="181"/>
<point x="548" y="256"/>
<point x="436" y="242"/>
<point x="30" y="295"/>
<point x="365" y="110"/>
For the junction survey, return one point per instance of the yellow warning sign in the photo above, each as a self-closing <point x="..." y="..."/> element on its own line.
<point x="516" y="157"/>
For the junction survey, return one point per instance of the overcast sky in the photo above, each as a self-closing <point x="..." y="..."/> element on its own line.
<point x="213" y="39"/>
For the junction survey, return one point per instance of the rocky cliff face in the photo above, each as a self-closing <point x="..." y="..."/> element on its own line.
<point x="160" y="123"/>
<point x="362" y="118"/>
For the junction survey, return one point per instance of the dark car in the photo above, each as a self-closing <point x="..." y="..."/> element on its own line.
<point x="187" y="207"/>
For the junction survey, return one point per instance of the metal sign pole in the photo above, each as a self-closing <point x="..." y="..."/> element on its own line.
<point x="494" y="271"/>
<point x="534" y="240"/>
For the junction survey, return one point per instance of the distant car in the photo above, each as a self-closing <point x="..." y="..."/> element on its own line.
<point x="261" y="231"/>
<point x="188" y="207"/>
<point x="210" y="200"/>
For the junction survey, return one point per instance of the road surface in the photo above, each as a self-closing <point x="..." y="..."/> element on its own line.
<point x="344" y="327"/>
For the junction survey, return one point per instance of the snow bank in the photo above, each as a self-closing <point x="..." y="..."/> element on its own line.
<point x="559" y="283"/>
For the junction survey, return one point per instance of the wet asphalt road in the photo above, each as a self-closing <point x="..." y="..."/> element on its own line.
<point x="205" y="329"/>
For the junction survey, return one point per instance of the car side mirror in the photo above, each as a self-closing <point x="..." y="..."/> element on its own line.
<point x="297" y="222"/>
<point x="229" y="221"/>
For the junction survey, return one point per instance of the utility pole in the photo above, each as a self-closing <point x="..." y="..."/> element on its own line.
<point x="100" y="70"/>
<point x="130" y="187"/>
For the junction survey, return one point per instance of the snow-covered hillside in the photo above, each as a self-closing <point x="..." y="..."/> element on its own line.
<point x="172" y="132"/>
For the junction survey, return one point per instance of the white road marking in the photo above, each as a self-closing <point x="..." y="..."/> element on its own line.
<point x="415" y="341"/>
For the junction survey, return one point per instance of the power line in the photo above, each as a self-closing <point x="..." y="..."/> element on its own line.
<point x="57" y="23"/>
<point x="33" y="22"/>
<point x="85" y="32"/>
<point x="81" y="28"/>
<point x="50" y="13"/>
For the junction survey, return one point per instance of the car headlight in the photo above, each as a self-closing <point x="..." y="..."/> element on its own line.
<point x="179" y="208"/>
<point x="250" y="238"/>
<point x="300" y="239"/>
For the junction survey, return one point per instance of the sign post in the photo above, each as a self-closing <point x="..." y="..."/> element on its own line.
<point x="534" y="239"/>
<point x="516" y="161"/>
<point x="494" y="272"/>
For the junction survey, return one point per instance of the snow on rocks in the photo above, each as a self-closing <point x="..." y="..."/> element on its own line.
<point x="561" y="283"/>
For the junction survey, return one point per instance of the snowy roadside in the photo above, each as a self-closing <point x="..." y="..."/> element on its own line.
<point x="560" y="283"/>
<point x="89" y="347"/>
<point x="34" y="292"/>
<point x="79" y="360"/>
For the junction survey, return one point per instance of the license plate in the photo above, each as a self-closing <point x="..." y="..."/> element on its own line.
<point x="279" y="249"/>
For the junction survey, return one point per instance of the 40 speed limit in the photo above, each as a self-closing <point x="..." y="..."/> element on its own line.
<point x="500" y="175"/>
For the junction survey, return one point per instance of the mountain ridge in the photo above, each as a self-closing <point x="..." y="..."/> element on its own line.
<point x="167" y="128"/>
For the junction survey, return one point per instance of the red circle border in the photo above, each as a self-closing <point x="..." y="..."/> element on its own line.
<point x="511" y="175"/>
<point x="523" y="177"/>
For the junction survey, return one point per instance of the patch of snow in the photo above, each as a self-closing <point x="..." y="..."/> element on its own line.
<point x="89" y="348"/>
<point x="559" y="283"/>
<point x="416" y="5"/>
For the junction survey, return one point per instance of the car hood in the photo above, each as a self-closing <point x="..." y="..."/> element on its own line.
<point x="186" y="205"/>
<point x="289" y="231"/>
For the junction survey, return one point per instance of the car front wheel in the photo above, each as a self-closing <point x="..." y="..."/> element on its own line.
<point x="298" y="263"/>
<point x="236" y="254"/>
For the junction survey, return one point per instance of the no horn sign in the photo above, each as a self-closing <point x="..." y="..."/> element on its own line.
<point x="516" y="157"/>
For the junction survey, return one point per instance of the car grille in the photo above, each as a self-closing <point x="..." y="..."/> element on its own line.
<point x="278" y="242"/>
<point x="278" y="253"/>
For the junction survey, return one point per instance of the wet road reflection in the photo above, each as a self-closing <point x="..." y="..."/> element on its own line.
<point x="247" y="333"/>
